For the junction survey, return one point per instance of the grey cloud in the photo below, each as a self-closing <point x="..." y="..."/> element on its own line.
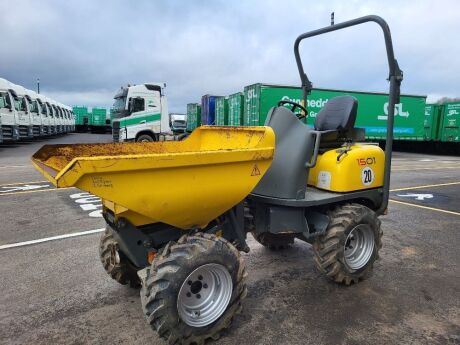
<point x="84" y="50"/>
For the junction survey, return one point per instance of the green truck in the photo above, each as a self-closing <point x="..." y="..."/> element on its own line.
<point x="193" y="116"/>
<point x="372" y="109"/>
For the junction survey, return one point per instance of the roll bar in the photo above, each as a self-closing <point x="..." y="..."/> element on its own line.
<point x="395" y="78"/>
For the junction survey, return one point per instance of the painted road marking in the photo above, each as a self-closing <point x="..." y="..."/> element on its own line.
<point x="39" y="190"/>
<point x="14" y="166"/>
<point x="21" y="183"/>
<point x="23" y="188"/>
<point x="425" y="186"/>
<point x="424" y="168"/>
<point x="416" y="196"/>
<point x="88" y="202"/>
<point x="425" y="207"/>
<point x="53" y="238"/>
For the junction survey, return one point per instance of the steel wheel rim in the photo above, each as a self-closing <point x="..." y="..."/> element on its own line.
<point x="359" y="246"/>
<point x="204" y="295"/>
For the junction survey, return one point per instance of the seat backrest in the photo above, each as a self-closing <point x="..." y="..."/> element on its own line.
<point x="339" y="113"/>
<point x="287" y="176"/>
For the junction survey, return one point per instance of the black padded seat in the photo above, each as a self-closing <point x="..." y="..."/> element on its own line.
<point x="338" y="114"/>
<point x="336" y="121"/>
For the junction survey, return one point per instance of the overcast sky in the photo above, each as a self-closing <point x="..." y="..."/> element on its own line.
<point x="83" y="51"/>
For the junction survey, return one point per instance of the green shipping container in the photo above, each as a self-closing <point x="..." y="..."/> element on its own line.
<point x="235" y="109"/>
<point x="432" y="122"/>
<point x="260" y="98"/>
<point x="372" y="109"/>
<point x="81" y="115"/>
<point x="451" y="122"/>
<point x="98" y="117"/>
<point x="221" y="111"/>
<point x="193" y="116"/>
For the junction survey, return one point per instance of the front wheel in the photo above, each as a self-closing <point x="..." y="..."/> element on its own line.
<point x="193" y="289"/>
<point x="145" y="138"/>
<point x="347" y="251"/>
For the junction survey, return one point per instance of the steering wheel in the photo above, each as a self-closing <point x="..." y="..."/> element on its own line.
<point x="295" y="105"/>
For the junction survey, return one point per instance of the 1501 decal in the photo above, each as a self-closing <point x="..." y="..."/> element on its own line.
<point x="366" y="161"/>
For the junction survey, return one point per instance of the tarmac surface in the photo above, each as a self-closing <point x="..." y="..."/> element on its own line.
<point x="56" y="291"/>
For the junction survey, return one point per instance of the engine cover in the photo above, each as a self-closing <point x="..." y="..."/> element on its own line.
<point x="348" y="169"/>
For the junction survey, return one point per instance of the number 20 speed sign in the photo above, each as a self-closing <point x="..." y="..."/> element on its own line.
<point x="367" y="176"/>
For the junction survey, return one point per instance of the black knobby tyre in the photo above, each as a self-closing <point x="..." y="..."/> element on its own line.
<point x="144" y="138"/>
<point x="117" y="266"/>
<point x="168" y="273"/>
<point x="333" y="251"/>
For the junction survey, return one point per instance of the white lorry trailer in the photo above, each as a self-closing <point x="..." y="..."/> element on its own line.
<point x="8" y="114"/>
<point x="140" y="113"/>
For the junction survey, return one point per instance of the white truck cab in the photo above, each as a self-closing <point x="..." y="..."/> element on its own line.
<point x="57" y="117"/>
<point x="37" y="118"/>
<point x="22" y="109"/>
<point x="178" y="122"/>
<point x="140" y="113"/>
<point x="8" y="114"/>
<point x="63" y="117"/>
<point x="51" y="115"/>
<point x="45" y="114"/>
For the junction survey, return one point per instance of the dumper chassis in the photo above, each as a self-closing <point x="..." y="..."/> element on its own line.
<point x="188" y="264"/>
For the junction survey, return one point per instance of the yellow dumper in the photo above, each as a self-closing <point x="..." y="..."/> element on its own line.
<point x="186" y="184"/>
<point x="178" y="213"/>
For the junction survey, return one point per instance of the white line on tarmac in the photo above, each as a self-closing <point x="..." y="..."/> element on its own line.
<point x="22" y="183"/>
<point x="53" y="238"/>
<point x="13" y="166"/>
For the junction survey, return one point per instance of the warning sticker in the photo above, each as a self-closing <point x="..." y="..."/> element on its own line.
<point x="324" y="180"/>
<point x="255" y="171"/>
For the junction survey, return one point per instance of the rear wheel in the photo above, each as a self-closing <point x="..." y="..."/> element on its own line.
<point x="347" y="251"/>
<point x="117" y="266"/>
<point x="193" y="289"/>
